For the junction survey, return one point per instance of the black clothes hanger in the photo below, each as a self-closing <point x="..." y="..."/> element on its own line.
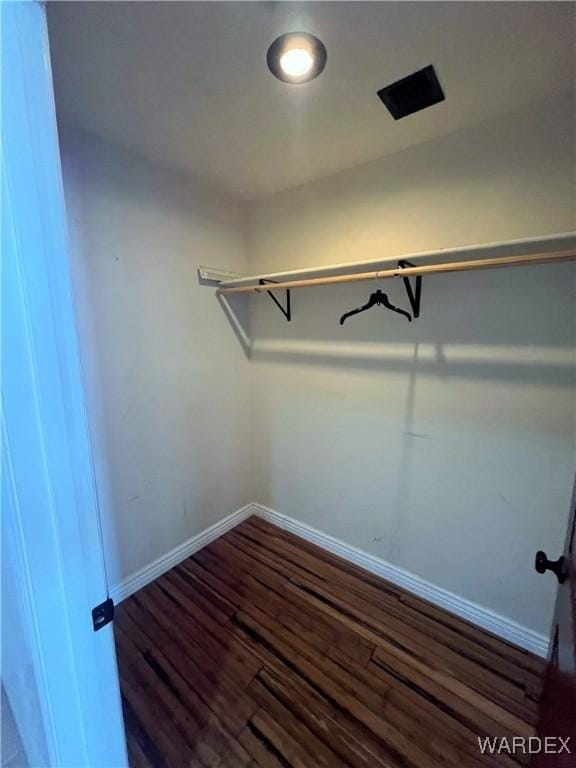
<point x="377" y="298"/>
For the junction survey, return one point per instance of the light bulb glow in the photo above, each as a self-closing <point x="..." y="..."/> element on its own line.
<point x="296" y="57"/>
<point x="296" y="62"/>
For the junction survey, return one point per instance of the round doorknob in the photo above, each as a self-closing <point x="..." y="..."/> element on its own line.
<point x="542" y="564"/>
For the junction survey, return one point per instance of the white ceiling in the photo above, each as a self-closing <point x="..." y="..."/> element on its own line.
<point x="186" y="84"/>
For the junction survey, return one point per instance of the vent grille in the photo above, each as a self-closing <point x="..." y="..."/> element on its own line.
<point x="412" y="93"/>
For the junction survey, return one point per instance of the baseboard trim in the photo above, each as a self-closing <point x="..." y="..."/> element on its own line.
<point x="482" y="617"/>
<point x="476" y="614"/>
<point x="155" y="569"/>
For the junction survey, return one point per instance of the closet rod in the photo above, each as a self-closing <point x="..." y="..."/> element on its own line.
<point x="425" y="269"/>
<point x="526" y="245"/>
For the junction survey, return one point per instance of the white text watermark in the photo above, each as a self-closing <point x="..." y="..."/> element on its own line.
<point x="522" y="745"/>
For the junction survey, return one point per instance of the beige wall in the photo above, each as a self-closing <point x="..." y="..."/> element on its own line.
<point x="165" y="379"/>
<point x="445" y="446"/>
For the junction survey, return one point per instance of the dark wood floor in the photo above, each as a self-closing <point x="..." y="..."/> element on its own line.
<point x="263" y="650"/>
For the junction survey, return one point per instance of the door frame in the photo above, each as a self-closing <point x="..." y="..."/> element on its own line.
<point x="50" y="516"/>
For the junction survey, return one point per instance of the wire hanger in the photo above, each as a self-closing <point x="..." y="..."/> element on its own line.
<point x="378" y="298"/>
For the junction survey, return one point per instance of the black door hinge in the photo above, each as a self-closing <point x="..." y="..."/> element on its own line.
<point x="103" y="614"/>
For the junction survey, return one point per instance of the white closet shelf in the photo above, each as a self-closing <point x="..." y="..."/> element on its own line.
<point x="511" y="253"/>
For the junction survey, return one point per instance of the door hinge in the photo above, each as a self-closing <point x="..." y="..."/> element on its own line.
<point x="103" y="614"/>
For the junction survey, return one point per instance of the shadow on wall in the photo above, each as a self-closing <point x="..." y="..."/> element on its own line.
<point x="513" y="325"/>
<point x="236" y="311"/>
<point x="440" y="360"/>
<point x="237" y="314"/>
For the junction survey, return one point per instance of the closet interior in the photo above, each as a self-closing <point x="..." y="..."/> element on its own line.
<point x="321" y="505"/>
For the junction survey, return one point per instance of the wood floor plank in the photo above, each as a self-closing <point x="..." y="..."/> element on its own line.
<point x="445" y="714"/>
<point x="380" y="584"/>
<point x="355" y="744"/>
<point x="136" y="756"/>
<point x="155" y="721"/>
<point x="293" y="650"/>
<point x="302" y="561"/>
<point x="175" y="583"/>
<point x="292" y="752"/>
<point x="374" y="587"/>
<point x="410" y="723"/>
<point x="263" y="650"/>
<point x="493" y="685"/>
<point x="139" y="741"/>
<point x="415" y="712"/>
<point x="184" y="715"/>
<point x="485" y="708"/>
<point x="339" y="686"/>
<point x="173" y="658"/>
<point x="273" y="594"/>
<point x="262" y="750"/>
<point x="521" y="659"/>
<point x="178" y="724"/>
<point x="208" y="651"/>
<point x="294" y="727"/>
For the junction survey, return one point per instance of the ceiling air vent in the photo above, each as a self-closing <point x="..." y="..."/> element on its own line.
<point x="412" y="93"/>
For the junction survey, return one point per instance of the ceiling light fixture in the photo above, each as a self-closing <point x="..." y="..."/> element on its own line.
<point x="296" y="57"/>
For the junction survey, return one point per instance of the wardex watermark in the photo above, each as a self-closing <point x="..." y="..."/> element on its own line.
<point x="531" y="745"/>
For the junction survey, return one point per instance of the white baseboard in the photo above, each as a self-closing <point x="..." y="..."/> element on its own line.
<point x="482" y="617"/>
<point x="170" y="559"/>
<point x="476" y="614"/>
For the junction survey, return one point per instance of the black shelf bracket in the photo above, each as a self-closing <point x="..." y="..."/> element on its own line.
<point x="286" y="311"/>
<point x="413" y="295"/>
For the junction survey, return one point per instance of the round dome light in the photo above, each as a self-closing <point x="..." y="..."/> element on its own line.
<point x="296" y="57"/>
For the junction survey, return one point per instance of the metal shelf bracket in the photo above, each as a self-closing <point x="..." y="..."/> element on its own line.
<point x="413" y="295"/>
<point x="286" y="311"/>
